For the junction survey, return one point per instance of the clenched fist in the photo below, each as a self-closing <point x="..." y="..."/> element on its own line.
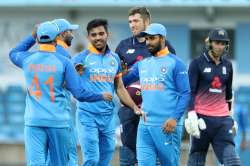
<point x="107" y="96"/>
<point x="169" y="126"/>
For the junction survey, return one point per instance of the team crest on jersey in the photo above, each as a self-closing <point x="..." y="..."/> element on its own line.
<point x="163" y="70"/>
<point x="221" y="32"/>
<point x="112" y="63"/>
<point x="224" y="70"/>
<point x="130" y="51"/>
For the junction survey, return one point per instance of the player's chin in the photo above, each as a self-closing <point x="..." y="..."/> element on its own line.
<point x="99" y="46"/>
<point x="151" y="49"/>
<point x="136" y="33"/>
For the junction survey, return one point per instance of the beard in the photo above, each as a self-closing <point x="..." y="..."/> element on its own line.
<point x="99" y="45"/>
<point x="68" y="40"/>
<point x="154" y="49"/>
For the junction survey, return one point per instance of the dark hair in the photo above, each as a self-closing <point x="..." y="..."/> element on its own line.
<point x="143" y="11"/>
<point x="96" y="23"/>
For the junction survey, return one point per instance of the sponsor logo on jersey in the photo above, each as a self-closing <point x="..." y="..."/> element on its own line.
<point x="153" y="83"/>
<point x="112" y="63"/>
<point x="130" y="51"/>
<point x="207" y="70"/>
<point x="216" y="85"/>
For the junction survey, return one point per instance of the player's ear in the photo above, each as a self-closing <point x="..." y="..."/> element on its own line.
<point x="146" y="21"/>
<point x="57" y="38"/>
<point x="162" y="39"/>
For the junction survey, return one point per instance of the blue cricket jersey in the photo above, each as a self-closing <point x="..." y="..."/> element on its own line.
<point x="99" y="75"/>
<point x="46" y="72"/>
<point x="164" y="84"/>
<point x="61" y="48"/>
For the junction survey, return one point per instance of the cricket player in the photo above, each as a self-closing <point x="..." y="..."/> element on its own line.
<point x="63" y="42"/>
<point x="101" y="71"/>
<point x="46" y="117"/>
<point x="209" y="119"/>
<point x="130" y="51"/>
<point x="165" y="96"/>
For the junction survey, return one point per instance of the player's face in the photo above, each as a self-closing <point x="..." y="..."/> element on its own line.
<point x="98" y="37"/>
<point x="218" y="47"/>
<point x="153" y="43"/>
<point x="68" y="37"/>
<point x="136" y="24"/>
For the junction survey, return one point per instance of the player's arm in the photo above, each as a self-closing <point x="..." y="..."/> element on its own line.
<point x="193" y="73"/>
<point x="132" y="75"/>
<point x="78" y="63"/>
<point x="75" y="86"/>
<point x="193" y="124"/>
<point x="229" y="92"/>
<point x="183" y="88"/>
<point x="19" y="53"/>
<point x="124" y="96"/>
<point x="181" y="82"/>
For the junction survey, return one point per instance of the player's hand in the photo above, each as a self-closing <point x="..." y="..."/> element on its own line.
<point x="34" y="31"/>
<point x="79" y="68"/>
<point x="169" y="126"/>
<point x="244" y="145"/>
<point x="107" y="96"/>
<point x="193" y="124"/>
<point x="140" y="113"/>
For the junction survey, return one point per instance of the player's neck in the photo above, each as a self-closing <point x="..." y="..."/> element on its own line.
<point x="140" y="39"/>
<point x="103" y="50"/>
<point x="163" y="52"/>
<point x="214" y="57"/>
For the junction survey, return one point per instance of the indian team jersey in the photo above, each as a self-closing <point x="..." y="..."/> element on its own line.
<point x="164" y="85"/>
<point x="48" y="74"/>
<point x="61" y="48"/>
<point x="43" y="73"/>
<point x="99" y="75"/>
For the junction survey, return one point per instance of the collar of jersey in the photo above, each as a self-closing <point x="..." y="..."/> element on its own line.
<point x="62" y="43"/>
<point x="162" y="52"/>
<point x="92" y="49"/>
<point x="47" y="47"/>
<point x="210" y="60"/>
<point x="136" y="42"/>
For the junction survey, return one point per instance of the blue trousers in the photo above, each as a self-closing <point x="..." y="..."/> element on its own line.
<point x="219" y="134"/>
<point x="97" y="138"/>
<point x="40" y="140"/>
<point x="73" y="158"/>
<point x="152" y="141"/>
<point x="129" y="124"/>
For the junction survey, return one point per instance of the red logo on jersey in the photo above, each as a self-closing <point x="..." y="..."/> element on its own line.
<point x="216" y="83"/>
<point x="139" y="57"/>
